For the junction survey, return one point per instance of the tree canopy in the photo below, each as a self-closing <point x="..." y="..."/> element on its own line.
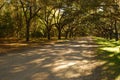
<point x="59" y="18"/>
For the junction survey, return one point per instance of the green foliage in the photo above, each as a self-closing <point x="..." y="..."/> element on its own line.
<point x="59" y="18"/>
<point x="37" y="34"/>
<point x="109" y="52"/>
<point x="114" y="45"/>
<point x="6" y="25"/>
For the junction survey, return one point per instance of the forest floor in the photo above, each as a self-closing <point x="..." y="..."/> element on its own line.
<point x="59" y="60"/>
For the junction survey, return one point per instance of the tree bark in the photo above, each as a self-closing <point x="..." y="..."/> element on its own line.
<point x="116" y="31"/>
<point x="48" y="35"/>
<point x="110" y="34"/>
<point x="66" y="34"/>
<point x="59" y="34"/>
<point x="27" y="31"/>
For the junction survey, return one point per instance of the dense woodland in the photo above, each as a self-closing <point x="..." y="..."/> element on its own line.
<point x="60" y="39"/>
<point x="29" y="19"/>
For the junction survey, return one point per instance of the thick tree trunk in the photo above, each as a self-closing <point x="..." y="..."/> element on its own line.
<point x="59" y="34"/>
<point x="48" y="36"/>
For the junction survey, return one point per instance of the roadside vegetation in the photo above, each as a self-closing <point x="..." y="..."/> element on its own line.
<point x="109" y="53"/>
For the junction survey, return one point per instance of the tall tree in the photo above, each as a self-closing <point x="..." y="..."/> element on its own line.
<point x="46" y="16"/>
<point x="30" y="11"/>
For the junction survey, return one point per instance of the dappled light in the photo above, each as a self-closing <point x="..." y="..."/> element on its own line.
<point x="113" y="49"/>
<point x="59" y="40"/>
<point x="18" y="69"/>
<point x="74" y="60"/>
<point x="118" y="78"/>
<point x="110" y="55"/>
<point x="40" y="76"/>
<point x="73" y="69"/>
<point x="16" y="44"/>
<point x="63" y="60"/>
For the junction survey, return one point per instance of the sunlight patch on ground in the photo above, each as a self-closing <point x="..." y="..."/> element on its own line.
<point x="18" y="69"/>
<point x="118" y="78"/>
<point x="68" y="51"/>
<point x="81" y="45"/>
<point x="37" y="61"/>
<point x="16" y="44"/>
<point x="111" y="64"/>
<point x="111" y="49"/>
<point x="65" y="51"/>
<point x="71" y="74"/>
<point x="105" y="43"/>
<point x="82" y="41"/>
<point x="47" y="65"/>
<point x="66" y="69"/>
<point x="84" y="45"/>
<point x="63" y="65"/>
<point x="59" y="45"/>
<point x="29" y="54"/>
<point x="40" y="76"/>
<point x="74" y="69"/>
<point x="44" y="49"/>
<point x="75" y="45"/>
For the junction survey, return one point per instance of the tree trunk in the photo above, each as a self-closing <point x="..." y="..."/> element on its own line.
<point x="27" y="31"/>
<point x="111" y="34"/>
<point x="116" y="31"/>
<point x="48" y="34"/>
<point x="70" y="33"/>
<point x="59" y="34"/>
<point x="66" y="34"/>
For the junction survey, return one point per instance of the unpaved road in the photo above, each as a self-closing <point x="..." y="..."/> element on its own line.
<point x="63" y="60"/>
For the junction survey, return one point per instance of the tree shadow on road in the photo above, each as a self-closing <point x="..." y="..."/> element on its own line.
<point x="69" y="60"/>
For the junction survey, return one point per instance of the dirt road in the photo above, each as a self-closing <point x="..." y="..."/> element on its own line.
<point x="63" y="60"/>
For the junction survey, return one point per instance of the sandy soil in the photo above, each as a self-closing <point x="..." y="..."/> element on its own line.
<point x="62" y="60"/>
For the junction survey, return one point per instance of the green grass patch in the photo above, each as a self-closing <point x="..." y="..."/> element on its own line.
<point x="108" y="48"/>
<point x="109" y="52"/>
<point x="108" y="45"/>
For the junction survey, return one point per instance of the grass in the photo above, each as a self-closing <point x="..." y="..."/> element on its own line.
<point x="109" y="46"/>
<point x="109" y="51"/>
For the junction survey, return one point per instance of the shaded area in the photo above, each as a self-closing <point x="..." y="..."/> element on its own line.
<point x="10" y="45"/>
<point x="63" y="60"/>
